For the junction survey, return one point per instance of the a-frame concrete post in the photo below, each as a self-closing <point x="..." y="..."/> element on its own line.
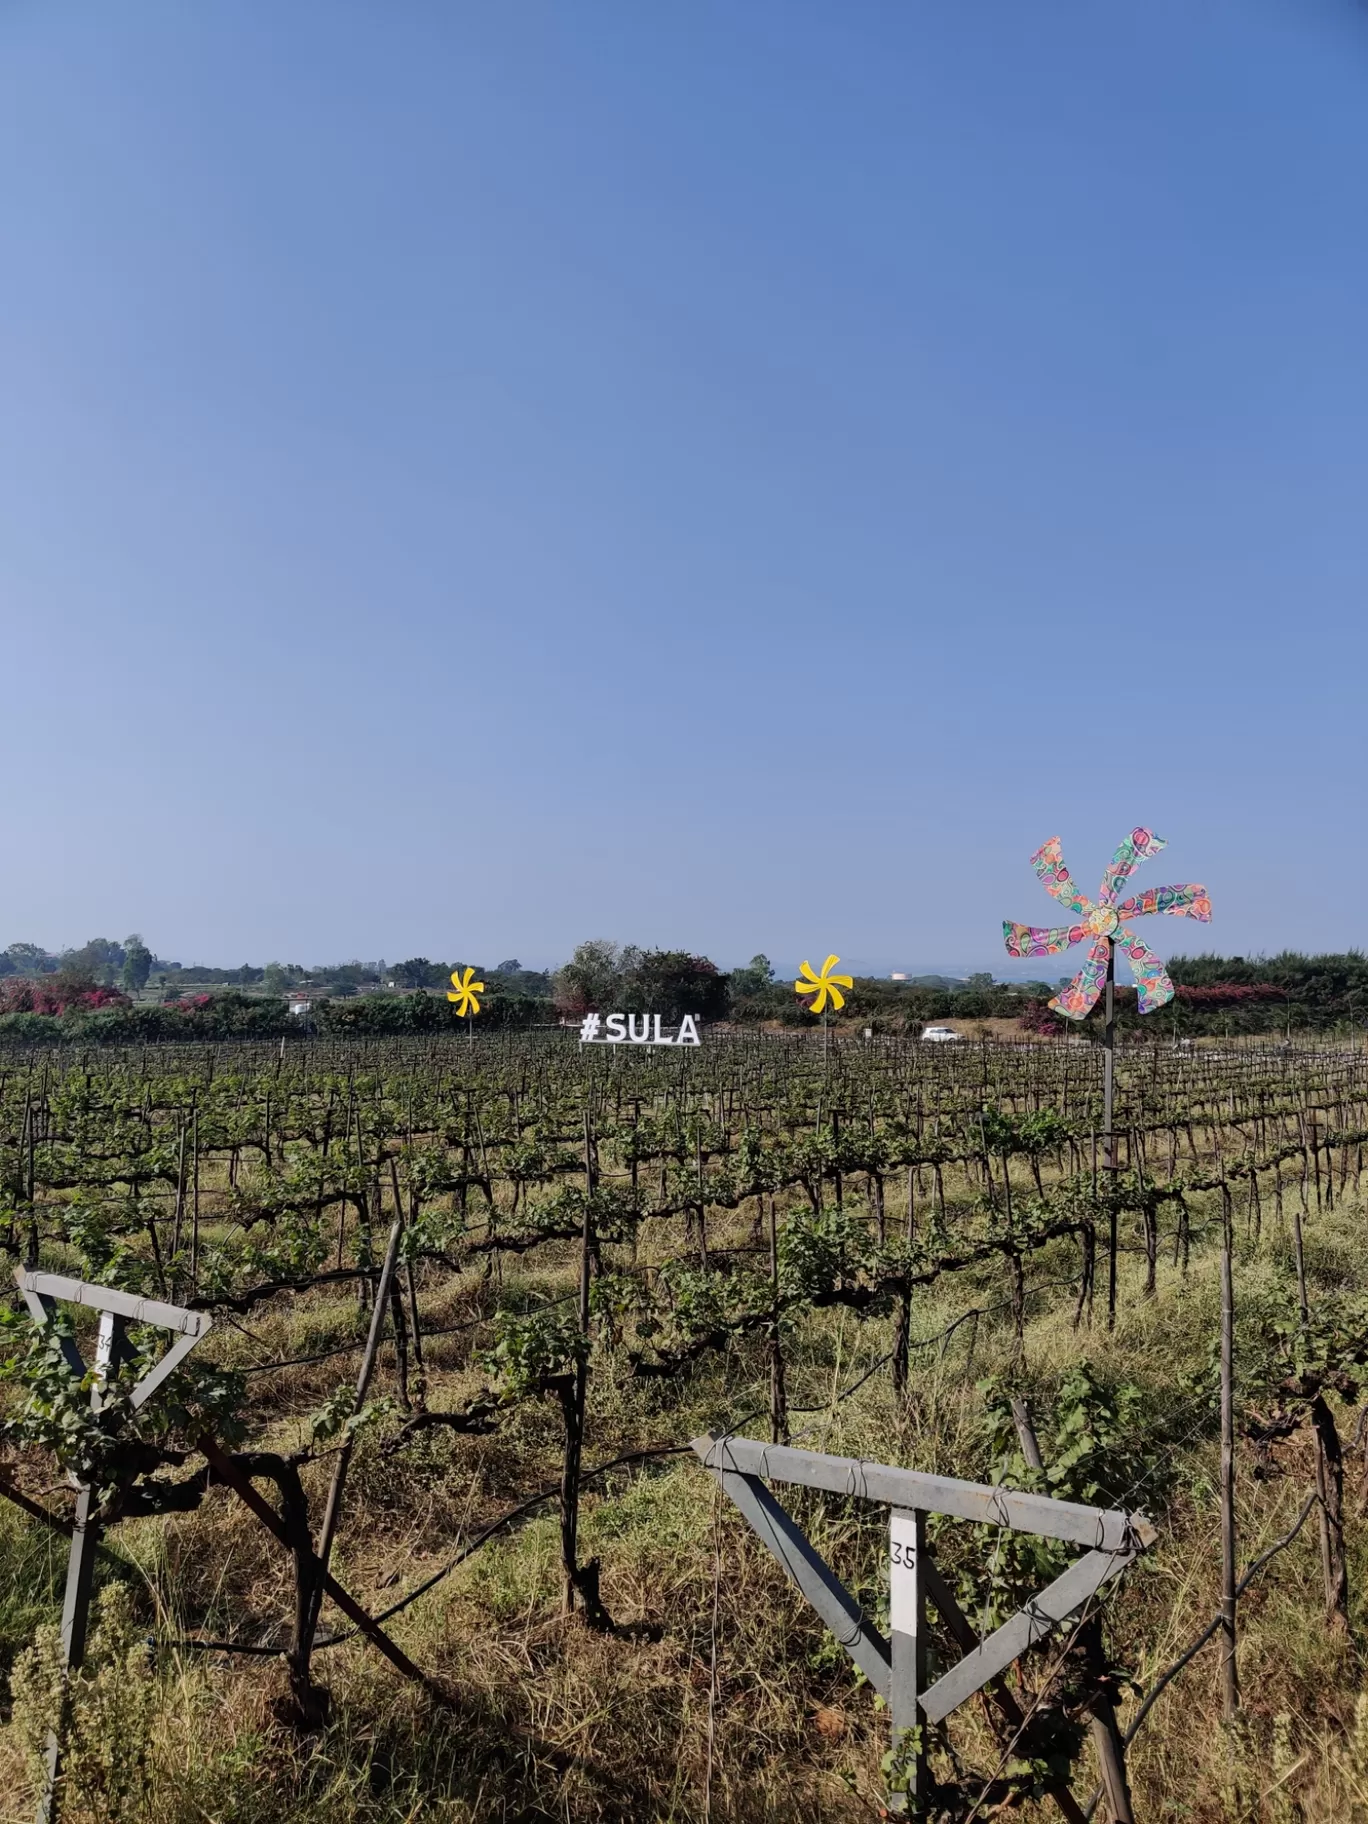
<point x="117" y="1310"/>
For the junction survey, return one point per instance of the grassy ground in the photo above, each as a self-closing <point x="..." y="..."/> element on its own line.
<point x="718" y="1694"/>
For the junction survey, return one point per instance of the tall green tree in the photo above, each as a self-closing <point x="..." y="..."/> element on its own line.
<point x="418" y="972"/>
<point x="591" y="979"/>
<point x="29" y="959"/>
<point x="757" y="975"/>
<point x="97" y="961"/>
<point x="673" y="983"/>
<point x="137" y="964"/>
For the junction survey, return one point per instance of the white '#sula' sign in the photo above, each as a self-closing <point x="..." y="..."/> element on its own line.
<point x="635" y="1029"/>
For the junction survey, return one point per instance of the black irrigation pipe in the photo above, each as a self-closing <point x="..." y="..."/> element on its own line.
<point x="302" y="1361"/>
<point x="467" y="1551"/>
<point x="654" y="1453"/>
<point x="844" y="1393"/>
<point x="221" y="1646"/>
<point x="324" y="1355"/>
<point x="642" y="1456"/>
<point x="515" y="1513"/>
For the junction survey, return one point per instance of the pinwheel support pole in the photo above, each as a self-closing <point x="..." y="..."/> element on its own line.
<point x="1108" y="1138"/>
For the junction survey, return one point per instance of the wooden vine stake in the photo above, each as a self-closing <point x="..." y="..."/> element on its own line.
<point x="575" y="1579"/>
<point x="778" y="1393"/>
<point x="896" y="1666"/>
<point x="1108" y="1742"/>
<point x="1230" y="1679"/>
<point x="332" y="1512"/>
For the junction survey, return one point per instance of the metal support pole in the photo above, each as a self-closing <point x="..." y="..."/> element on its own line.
<point x="907" y="1643"/>
<point x="1108" y="1137"/>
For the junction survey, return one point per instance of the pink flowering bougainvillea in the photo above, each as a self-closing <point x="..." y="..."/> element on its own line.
<point x="20" y="995"/>
<point x="1230" y="994"/>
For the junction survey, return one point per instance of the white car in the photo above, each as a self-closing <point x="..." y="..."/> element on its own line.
<point x="940" y="1035"/>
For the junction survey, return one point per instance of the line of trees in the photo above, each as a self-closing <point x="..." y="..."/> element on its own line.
<point x="1332" y="984"/>
<point x="100" y="963"/>
<point x="1215" y="994"/>
<point x="1234" y="994"/>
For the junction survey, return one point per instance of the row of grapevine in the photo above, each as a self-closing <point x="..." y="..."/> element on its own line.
<point x="544" y="1224"/>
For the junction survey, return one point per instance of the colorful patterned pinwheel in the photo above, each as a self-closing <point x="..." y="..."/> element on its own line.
<point x="1102" y="922"/>
<point x="466" y="990"/>
<point x="824" y="987"/>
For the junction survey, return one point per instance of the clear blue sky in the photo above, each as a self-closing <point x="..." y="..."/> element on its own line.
<point x="735" y="476"/>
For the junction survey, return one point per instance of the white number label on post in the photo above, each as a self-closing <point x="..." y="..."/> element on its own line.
<point x="902" y="1568"/>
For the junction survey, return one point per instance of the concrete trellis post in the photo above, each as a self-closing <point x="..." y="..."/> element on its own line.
<point x="897" y="1667"/>
<point x="907" y="1561"/>
<point x="42" y="1292"/>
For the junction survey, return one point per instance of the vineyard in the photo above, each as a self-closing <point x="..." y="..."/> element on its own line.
<point x="418" y="1529"/>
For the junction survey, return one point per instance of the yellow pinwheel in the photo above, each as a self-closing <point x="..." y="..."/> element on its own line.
<point x="825" y="988"/>
<point x="464" y="991"/>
